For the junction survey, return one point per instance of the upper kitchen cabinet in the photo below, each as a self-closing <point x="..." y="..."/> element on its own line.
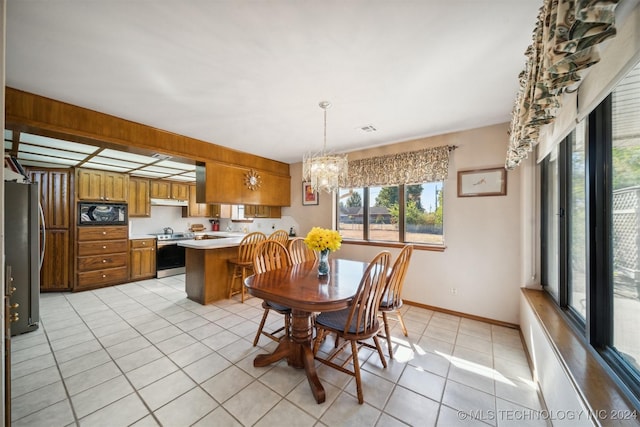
<point x="224" y="183"/>
<point x="169" y="190"/>
<point x="94" y="184"/>
<point x="252" y="211"/>
<point x="139" y="204"/>
<point x="194" y="208"/>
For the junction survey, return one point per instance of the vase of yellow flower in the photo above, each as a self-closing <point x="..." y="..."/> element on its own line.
<point x="324" y="241"/>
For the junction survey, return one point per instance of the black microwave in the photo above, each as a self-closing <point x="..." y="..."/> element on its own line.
<point x="98" y="213"/>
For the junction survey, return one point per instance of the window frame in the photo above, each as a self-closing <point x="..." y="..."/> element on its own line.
<point x="596" y="329"/>
<point x="401" y="222"/>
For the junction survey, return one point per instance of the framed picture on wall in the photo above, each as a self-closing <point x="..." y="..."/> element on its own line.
<point x="309" y="197"/>
<point x="482" y="182"/>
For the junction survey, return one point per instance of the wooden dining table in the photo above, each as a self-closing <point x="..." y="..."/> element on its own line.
<point x="300" y="288"/>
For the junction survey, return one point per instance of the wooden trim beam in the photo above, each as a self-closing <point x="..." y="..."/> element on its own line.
<point x="27" y="112"/>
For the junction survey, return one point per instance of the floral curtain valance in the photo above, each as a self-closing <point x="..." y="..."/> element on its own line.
<point x="430" y="164"/>
<point x="565" y="43"/>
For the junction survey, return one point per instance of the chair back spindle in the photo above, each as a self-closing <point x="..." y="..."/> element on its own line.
<point x="363" y="316"/>
<point x="300" y="252"/>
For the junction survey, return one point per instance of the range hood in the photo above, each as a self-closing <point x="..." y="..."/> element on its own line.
<point x="168" y="202"/>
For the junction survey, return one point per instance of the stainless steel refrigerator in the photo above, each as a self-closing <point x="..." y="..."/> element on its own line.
<point x="23" y="223"/>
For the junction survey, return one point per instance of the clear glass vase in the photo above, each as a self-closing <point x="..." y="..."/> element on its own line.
<point x="323" y="263"/>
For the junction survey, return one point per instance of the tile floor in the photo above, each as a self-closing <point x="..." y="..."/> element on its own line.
<point x="142" y="354"/>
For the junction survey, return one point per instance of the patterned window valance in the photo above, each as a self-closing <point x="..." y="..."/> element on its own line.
<point x="428" y="165"/>
<point x="564" y="45"/>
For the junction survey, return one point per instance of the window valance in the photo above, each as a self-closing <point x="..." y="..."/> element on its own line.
<point x="427" y="165"/>
<point x="565" y="43"/>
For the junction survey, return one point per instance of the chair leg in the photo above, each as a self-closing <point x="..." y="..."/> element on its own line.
<point x="232" y="281"/>
<point x="356" y="371"/>
<point x="264" y="319"/>
<point x="404" y="328"/>
<point x="387" y="333"/>
<point x="382" y="359"/>
<point x="320" y="334"/>
<point x="242" y="290"/>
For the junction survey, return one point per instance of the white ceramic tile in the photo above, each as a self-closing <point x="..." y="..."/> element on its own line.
<point x="205" y="368"/>
<point x="227" y="383"/>
<point x="100" y="396"/>
<point x="219" y="417"/>
<point x="92" y="377"/>
<point x="123" y="412"/>
<point x="58" y="414"/>
<point x="445" y="363"/>
<point x="187" y="409"/>
<point x="286" y="410"/>
<point x="166" y="389"/>
<point x="36" y="400"/>
<point x="412" y="408"/>
<point x="153" y="371"/>
<point x="34" y="381"/>
<point x="262" y="401"/>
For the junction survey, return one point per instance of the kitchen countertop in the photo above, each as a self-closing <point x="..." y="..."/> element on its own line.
<point x="142" y="236"/>
<point x="227" y="240"/>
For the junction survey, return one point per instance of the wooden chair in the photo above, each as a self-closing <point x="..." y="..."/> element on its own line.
<point x="242" y="265"/>
<point x="358" y="322"/>
<point x="280" y="236"/>
<point x="391" y="297"/>
<point x="271" y="255"/>
<point x="300" y="252"/>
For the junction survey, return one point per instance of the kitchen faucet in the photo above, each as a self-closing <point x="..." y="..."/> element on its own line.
<point x="168" y="230"/>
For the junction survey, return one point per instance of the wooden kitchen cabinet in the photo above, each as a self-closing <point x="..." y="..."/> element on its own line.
<point x="142" y="259"/>
<point x="195" y="209"/>
<point x="55" y="199"/>
<point x="224" y="183"/>
<point x="180" y="191"/>
<point x="55" y="274"/>
<point x="259" y="211"/>
<point x="54" y="187"/>
<point x="102" y="256"/>
<point x="139" y="204"/>
<point x="101" y="185"/>
<point x="163" y="189"/>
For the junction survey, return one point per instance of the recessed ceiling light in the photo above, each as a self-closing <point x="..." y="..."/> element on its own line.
<point x="368" y="128"/>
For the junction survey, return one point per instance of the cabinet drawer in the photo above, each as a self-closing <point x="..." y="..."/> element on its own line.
<point x="102" y="277"/>
<point x="102" y="233"/>
<point x="87" y="263"/>
<point x="143" y="243"/>
<point x="103" y="247"/>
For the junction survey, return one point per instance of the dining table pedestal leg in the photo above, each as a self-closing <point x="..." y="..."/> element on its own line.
<point x="297" y="350"/>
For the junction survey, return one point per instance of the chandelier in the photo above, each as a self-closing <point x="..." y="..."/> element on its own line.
<point x="325" y="171"/>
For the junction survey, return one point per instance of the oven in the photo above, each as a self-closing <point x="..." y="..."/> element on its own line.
<point x="170" y="257"/>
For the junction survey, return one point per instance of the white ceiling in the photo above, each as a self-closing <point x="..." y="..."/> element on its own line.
<point x="249" y="74"/>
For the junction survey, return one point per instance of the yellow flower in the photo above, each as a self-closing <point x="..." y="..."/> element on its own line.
<point x="319" y="239"/>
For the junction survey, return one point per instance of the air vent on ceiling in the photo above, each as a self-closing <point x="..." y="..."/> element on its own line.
<point x="368" y="128"/>
<point x="160" y="156"/>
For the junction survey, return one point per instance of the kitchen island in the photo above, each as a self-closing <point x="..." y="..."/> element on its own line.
<point x="206" y="270"/>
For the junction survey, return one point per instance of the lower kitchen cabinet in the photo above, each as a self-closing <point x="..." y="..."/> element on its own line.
<point x="142" y="259"/>
<point x="55" y="274"/>
<point x="102" y="256"/>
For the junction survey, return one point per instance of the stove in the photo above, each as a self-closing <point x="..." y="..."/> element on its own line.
<point x="170" y="258"/>
<point x="175" y="236"/>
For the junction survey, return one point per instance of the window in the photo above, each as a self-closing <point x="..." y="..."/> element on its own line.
<point x="410" y="213"/>
<point x="591" y="229"/>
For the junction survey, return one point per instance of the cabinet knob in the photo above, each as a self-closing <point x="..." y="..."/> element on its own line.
<point x="104" y="247"/>
<point x="144" y="243"/>
<point x="104" y="260"/>
<point x="14" y="305"/>
<point x="104" y="275"/>
<point x="104" y="232"/>
<point x="106" y="198"/>
<point x="14" y="317"/>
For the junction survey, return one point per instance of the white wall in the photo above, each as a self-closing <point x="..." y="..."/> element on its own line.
<point x="482" y="260"/>
<point x="171" y="216"/>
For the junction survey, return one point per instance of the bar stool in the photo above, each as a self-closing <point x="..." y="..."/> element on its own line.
<point x="242" y="266"/>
